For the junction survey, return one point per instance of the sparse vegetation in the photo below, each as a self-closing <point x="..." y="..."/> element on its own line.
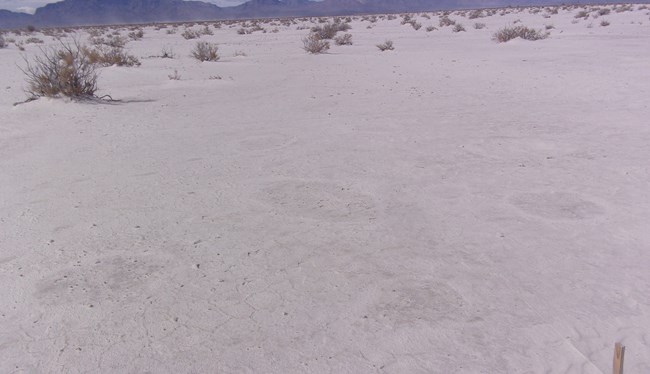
<point x="167" y="52"/>
<point x="458" y="28"/>
<point x="508" y="33"/>
<point x="582" y="14"/>
<point x="431" y="28"/>
<point x="204" y="51"/>
<point x="604" y="23"/>
<point x="190" y="34"/>
<point x="61" y="71"/>
<point x="345" y="39"/>
<point x="475" y="14"/>
<point x="314" y="44"/>
<point x="386" y="46"/>
<point x="174" y="76"/>
<point x="109" y="56"/>
<point x="34" y="41"/>
<point x="479" y="25"/>
<point x="446" y="21"/>
<point x="329" y="30"/>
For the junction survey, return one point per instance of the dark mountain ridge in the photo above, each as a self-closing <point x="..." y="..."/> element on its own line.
<point x="98" y="12"/>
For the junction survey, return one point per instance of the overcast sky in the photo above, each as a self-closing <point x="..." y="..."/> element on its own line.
<point x="28" y="6"/>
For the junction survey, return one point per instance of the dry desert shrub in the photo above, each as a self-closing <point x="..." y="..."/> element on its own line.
<point x="508" y="33"/>
<point x="20" y="45"/>
<point x="3" y="43"/>
<point x="190" y="34"/>
<point x="458" y="28"/>
<point x="204" y="51"/>
<point x="604" y="11"/>
<point x="604" y="23"/>
<point x="479" y="25"/>
<point x="34" y="41"/>
<point x="345" y="39"/>
<point x="476" y="14"/>
<point x="431" y="28"/>
<point x="329" y="30"/>
<point x="446" y="21"/>
<point x="582" y="14"/>
<point x="549" y="27"/>
<point x="386" y="46"/>
<point x="175" y="76"/>
<point x="314" y="44"/>
<point x="109" y="56"/>
<point x="136" y="35"/>
<point x="167" y="52"/>
<point x="206" y="30"/>
<point x="61" y="71"/>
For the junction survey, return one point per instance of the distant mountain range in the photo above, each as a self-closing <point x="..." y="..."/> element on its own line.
<point x="100" y="12"/>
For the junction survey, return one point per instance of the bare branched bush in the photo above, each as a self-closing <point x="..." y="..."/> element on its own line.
<point x="175" y="76"/>
<point x="204" y="51"/>
<point x="207" y="31"/>
<point x="345" y="39"/>
<point x="458" y="27"/>
<point x="386" y="46"/>
<point x="3" y="43"/>
<point x="314" y="44"/>
<point x="604" y="11"/>
<point x="110" y="56"/>
<point x="604" y="23"/>
<point x="582" y="14"/>
<point x="136" y="35"/>
<point x="116" y="41"/>
<point x="61" y="71"/>
<point x="476" y="14"/>
<point x="446" y="21"/>
<point x="329" y="30"/>
<point x="33" y="41"/>
<point x="479" y="25"/>
<point x="431" y="28"/>
<point x="190" y="34"/>
<point x="508" y="33"/>
<point x="167" y="52"/>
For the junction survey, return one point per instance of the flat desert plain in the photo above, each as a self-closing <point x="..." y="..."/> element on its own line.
<point x="454" y="205"/>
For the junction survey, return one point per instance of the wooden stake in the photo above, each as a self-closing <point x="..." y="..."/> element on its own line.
<point x="619" y="355"/>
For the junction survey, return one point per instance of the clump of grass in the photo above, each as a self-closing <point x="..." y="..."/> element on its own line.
<point x="314" y="44"/>
<point x="508" y="33"/>
<point x="204" y="51"/>
<point x="386" y="46"/>
<point x="345" y="39"/>
<point x="61" y="71"/>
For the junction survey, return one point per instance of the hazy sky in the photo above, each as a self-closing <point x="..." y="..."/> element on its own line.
<point x="29" y="5"/>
